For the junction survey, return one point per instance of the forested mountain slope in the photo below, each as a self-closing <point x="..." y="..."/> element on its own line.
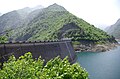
<point x="55" y="22"/>
<point x="14" y="19"/>
<point x="10" y="20"/>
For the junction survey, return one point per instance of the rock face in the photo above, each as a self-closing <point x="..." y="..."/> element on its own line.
<point x="95" y="48"/>
<point x="114" y="29"/>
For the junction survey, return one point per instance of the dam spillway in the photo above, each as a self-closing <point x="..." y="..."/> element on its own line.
<point x="46" y="49"/>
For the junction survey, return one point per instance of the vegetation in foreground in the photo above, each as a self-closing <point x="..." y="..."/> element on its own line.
<point x="28" y="68"/>
<point x="3" y="39"/>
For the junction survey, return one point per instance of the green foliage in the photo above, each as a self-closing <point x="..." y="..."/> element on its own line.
<point x="3" y="39"/>
<point x="76" y="43"/>
<point x="54" y="22"/>
<point x="27" y="68"/>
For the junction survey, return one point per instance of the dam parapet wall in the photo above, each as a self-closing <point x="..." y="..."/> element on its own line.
<point x="46" y="49"/>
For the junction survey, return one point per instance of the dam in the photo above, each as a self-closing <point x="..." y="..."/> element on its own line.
<point x="46" y="49"/>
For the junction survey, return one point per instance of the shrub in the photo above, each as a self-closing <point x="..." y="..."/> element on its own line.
<point x="28" y="68"/>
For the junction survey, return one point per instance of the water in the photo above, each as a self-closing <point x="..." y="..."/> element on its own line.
<point x="104" y="65"/>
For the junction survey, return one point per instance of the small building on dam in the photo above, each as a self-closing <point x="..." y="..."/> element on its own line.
<point x="46" y="49"/>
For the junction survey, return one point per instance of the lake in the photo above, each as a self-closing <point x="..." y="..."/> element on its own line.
<point x="104" y="65"/>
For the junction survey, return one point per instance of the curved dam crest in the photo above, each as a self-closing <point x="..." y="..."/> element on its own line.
<point x="46" y="49"/>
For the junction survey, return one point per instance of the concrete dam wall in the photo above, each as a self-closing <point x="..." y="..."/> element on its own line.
<point x="45" y="49"/>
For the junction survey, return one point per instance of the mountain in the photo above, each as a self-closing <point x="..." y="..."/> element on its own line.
<point x="55" y="7"/>
<point x="0" y="14"/>
<point x="114" y="29"/>
<point x="37" y="7"/>
<point x="54" y="23"/>
<point x="25" y="11"/>
<point x="10" y="20"/>
<point x="15" y="19"/>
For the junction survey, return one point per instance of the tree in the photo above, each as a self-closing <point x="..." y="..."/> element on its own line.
<point x="3" y="39"/>
<point x="27" y="68"/>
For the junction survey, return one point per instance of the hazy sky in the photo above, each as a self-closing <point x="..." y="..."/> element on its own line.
<point x="98" y="12"/>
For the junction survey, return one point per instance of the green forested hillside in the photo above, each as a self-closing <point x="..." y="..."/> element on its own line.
<point x="3" y="39"/>
<point x="10" y="20"/>
<point x="14" y="19"/>
<point x="55" y="22"/>
<point x="25" y="67"/>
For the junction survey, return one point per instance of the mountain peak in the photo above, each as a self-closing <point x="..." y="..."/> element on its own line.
<point x="38" y="7"/>
<point x="55" y="4"/>
<point x="118" y="20"/>
<point x="56" y="7"/>
<point x="117" y="23"/>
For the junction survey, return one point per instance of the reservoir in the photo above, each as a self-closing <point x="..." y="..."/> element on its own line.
<point x="103" y="65"/>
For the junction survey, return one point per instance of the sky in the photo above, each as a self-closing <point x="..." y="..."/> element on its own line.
<point x="101" y="13"/>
